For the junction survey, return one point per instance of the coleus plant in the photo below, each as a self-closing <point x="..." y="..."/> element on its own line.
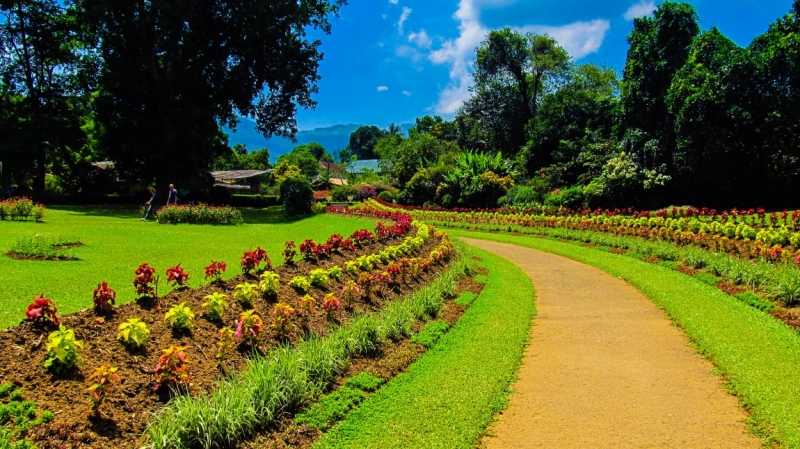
<point x="172" y="369"/>
<point x="289" y="252"/>
<point x="252" y="259"/>
<point x="350" y="291"/>
<point x="282" y="314"/>
<point x="246" y="293"/>
<point x="215" y="270"/>
<point x="306" y="306"/>
<point x="180" y="317"/>
<point x="133" y="333"/>
<point x="103" y="380"/>
<point x="177" y="276"/>
<point x="365" y="281"/>
<point x="249" y="326"/>
<point x="330" y="303"/>
<point x="225" y="344"/>
<point x="308" y="250"/>
<point x="62" y="350"/>
<point x="146" y="282"/>
<point x="270" y="283"/>
<point x="103" y="297"/>
<point x="42" y="310"/>
<point x="216" y="305"/>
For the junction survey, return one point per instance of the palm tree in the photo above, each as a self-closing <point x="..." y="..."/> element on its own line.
<point x="394" y="130"/>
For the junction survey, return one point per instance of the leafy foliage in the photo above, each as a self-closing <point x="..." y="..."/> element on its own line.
<point x="172" y="368"/>
<point x="62" y="350"/>
<point x="301" y="283"/>
<point x="146" y="283"/>
<point x="270" y="283"/>
<point x="103" y="379"/>
<point x="215" y="270"/>
<point x="249" y="326"/>
<point x="104" y="297"/>
<point x="133" y="333"/>
<point x="216" y="305"/>
<point x="246" y="293"/>
<point x="180" y="317"/>
<point x="177" y="276"/>
<point x="42" y="310"/>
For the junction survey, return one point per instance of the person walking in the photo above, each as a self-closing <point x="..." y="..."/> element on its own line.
<point x="172" y="199"/>
<point x="148" y="206"/>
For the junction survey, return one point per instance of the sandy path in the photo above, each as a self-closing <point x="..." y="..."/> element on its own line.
<point x="605" y="368"/>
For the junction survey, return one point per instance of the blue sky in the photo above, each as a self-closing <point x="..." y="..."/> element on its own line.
<point x="394" y="60"/>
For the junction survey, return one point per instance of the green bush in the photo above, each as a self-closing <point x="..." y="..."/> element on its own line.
<point x="220" y="196"/>
<point x="386" y="196"/>
<point x="200" y="214"/>
<point x="571" y="198"/>
<point x="431" y="334"/>
<point x="20" y="209"/>
<point x="752" y="300"/>
<point x="297" y="197"/>
<point x="343" y="193"/>
<point x="364" y="381"/>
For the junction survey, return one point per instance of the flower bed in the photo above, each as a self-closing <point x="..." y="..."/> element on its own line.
<point x="21" y="209"/>
<point x="190" y="338"/>
<point x="200" y="214"/>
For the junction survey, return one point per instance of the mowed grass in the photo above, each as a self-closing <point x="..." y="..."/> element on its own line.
<point x="758" y="355"/>
<point x="117" y="242"/>
<point x="451" y="393"/>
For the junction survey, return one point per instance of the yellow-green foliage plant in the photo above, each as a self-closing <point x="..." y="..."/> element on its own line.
<point x="318" y="277"/>
<point x="62" y="350"/>
<point x="300" y="283"/>
<point x="133" y="333"/>
<point x="246" y="293"/>
<point x="270" y="283"/>
<point x="180" y="317"/>
<point x="216" y="306"/>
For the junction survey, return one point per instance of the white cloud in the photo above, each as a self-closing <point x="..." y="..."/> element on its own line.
<point x="403" y="17"/>
<point x="421" y="39"/>
<point x="394" y="2"/>
<point x="643" y="8"/>
<point x="407" y="51"/>
<point x="406" y="93"/>
<point x="382" y="88"/>
<point x="578" y="38"/>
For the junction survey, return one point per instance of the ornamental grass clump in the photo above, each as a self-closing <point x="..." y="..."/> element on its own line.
<point x="133" y="333"/>
<point x="216" y="306"/>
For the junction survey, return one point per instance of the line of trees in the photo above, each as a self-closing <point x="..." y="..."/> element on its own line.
<point x="148" y="84"/>
<point x="694" y="119"/>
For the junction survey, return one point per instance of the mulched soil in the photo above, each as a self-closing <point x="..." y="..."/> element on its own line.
<point x="618" y="251"/>
<point x="389" y="360"/>
<point x="731" y="288"/>
<point x="130" y="406"/>
<point x="687" y="270"/>
<point x="789" y="316"/>
<point x="650" y="259"/>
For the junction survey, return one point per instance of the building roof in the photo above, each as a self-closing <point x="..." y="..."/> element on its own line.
<point x="236" y="174"/>
<point x="366" y="164"/>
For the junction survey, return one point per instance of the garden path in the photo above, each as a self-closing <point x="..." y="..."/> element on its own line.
<point x="605" y="368"/>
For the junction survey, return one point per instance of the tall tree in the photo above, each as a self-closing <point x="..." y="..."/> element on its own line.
<point x="363" y="141"/>
<point x="659" y="47"/>
<point x="174" y="71"/>
<point x="40" y="57"/>
<point x="511" y="73"/>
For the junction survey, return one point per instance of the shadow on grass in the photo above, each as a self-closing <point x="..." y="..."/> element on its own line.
<point x="110" y="210"/>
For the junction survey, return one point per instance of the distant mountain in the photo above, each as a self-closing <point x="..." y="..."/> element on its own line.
<point x="333" y="138"/>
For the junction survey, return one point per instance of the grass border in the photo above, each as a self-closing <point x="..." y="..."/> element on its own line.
<point x="757" y="355"/>
<point x="451" y="393"/>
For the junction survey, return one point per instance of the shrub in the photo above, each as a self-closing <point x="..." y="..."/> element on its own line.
<point x="386" y="196"/>
<point x="246" y="293"/>
<point x="524" y="195"/>
<point x="364" y="381"/>
<point x="431" y="334"/>
<point x="104" y="378"/>
<point x="103" y="297"/>
<point x="344" y="193"/>
<point x="571" y="198"/>
<point x="133" y="333"/>
<point x="300" y="283"/>
<point x="319" y="277"/>
<point x="200" y="214"/>
<point x="21" y="209"/>
<point x="249" y="326"/>
<point x="62" y="350"/>
<point x="180" y="317"/>
<point x="365" y="191"/>
<point x="270" y="282"/>
<point x="177" y="276"/>
<point x="42" y="310"/>
<point x="322" y="195"/>
<point x="296" y="197"/>
<point x="216" y="305"/>
<point x="172" y="369"/>
<point x="220" y="196"/>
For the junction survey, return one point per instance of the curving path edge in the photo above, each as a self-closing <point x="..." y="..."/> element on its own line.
<point x="605" y="368"/>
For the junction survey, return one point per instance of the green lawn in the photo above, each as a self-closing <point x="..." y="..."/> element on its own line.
<point x="451" y="393"/>
<point x="758" y="355"/>
<point x="116" y="242"/>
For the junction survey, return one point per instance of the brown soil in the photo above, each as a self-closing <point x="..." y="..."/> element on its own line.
<point x="589" y="245"/>
<point x="606" y="368"/>
<point x="618" y="251"/>
<point x="130" y="406"/>
<point x="389" y="360"/>
<point x="731" y="288"/>
<point x="21" y="256"/>
<point x="789" y="316"/>
<point x="687" y="270"/>
<point x="650" y="259"/>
